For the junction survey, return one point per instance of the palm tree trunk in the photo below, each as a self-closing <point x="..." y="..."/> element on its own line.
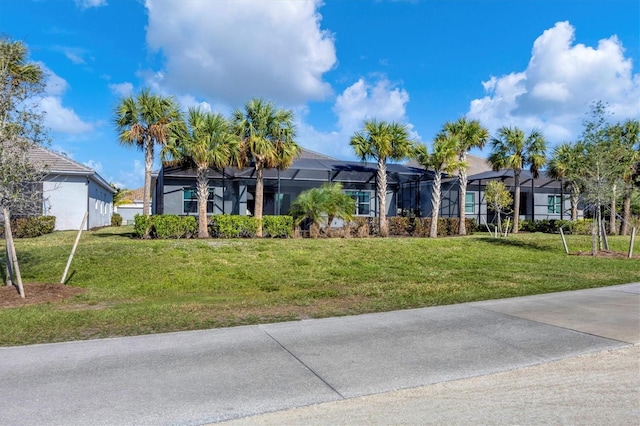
<point x="613" y="227"/>
<point x="575" y="198"/>
<point x="462" y="229"/>
<point x="626" y="212"/>
<point x="516" y="201"/>
<point x="435" y="204"/>
<point x="259" y="198"/>
<point x="148" y="165"/>
<point x="202" y="185"/>
<point x="382" y="196"/>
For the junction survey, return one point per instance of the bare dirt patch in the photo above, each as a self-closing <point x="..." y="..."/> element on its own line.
<point x="36" y="293"/>
<point x="606" y="254"/>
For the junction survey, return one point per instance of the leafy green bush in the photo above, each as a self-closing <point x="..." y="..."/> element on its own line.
<point x="142" y="226"/>
<point x="552" y="226"/>
<point x="277" y="226"/>
<point x="228" y="226"/>
<point x="116" y="219"/>
<point x="31" y="227"/>
<point x="173" y="226"/>
<point x="471" y="225"/>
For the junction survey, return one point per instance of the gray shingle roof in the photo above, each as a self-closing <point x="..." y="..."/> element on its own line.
<point x="54" y="162"/>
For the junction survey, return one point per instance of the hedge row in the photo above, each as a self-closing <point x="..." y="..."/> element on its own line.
<point x="552" y="226"/>
<point x="220" y="226"/>
<point x="30" y="227"/>
<point x="165" y="226"/>
<point x="402" y="227"/>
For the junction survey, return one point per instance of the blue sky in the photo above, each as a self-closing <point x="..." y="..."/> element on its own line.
<point x="532" y="64"/>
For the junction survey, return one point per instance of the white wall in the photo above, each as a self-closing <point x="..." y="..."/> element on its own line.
<point x="66" y="199"/>
<point x="100" y="205"/>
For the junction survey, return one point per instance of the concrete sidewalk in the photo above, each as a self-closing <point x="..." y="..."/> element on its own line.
<point x="215" y="375"/>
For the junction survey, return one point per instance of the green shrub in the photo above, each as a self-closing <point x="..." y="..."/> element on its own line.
<point x="399" y="225"/>
<point x="228" y="226"/>
<point x="142" y="226"/>
<point x="116" y="219"/>
<point x="32" y="226"/>
<point x="277" y="226"/>
<point x="173" y="226"/>
<point x="471" y="225"/>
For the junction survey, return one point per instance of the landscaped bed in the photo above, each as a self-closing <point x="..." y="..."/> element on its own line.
<point x="121" y="286"/>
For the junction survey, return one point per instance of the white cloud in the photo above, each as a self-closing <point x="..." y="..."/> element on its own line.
<point x="86" y="4"/>
<point x="121" y="89"/>
<point x="58" y="117"/>
<point x="379" y="99"/>
<point x="132" y="178"/>
<point x="561" y="80"/>
<point x="95" y="165"/>
<point x="62" y="119"/>
<point x="234" y="50"/>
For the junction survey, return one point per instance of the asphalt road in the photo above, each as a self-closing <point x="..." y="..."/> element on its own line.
<point x="497" y="353"/>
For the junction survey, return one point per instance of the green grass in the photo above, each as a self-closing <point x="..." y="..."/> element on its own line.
<point x="136" y="287"/>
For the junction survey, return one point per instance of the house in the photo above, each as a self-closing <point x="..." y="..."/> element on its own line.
<point x="409" y="189"/>
<point x="71" y="189"/>
<point x="131" y="205"/>
<point x="232" y="190"/>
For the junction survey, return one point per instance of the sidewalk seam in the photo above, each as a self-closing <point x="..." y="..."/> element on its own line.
<point x="303" y="363"/>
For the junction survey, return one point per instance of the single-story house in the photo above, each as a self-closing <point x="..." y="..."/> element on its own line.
<point x="409" y="189"/>
<point x="71" y="189"/>
<point x="232" y="190"/>
<point x="131" y="207"/>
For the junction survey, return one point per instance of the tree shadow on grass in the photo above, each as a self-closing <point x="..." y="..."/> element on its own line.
<point x="507" y="242"/>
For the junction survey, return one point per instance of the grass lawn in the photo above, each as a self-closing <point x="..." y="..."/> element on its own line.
<point x="138" y="287"/>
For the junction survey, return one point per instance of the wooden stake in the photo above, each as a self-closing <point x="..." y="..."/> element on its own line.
<point x="75" y="245"/>
<point x="12" y="251"/>
<point x="633" y="239"/>
<point x="564" y="241"/>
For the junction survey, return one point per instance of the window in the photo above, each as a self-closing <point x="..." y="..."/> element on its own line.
<point x="554" y="204"/>
<point x="469" y="202"/>
<point x="190" y="200"/>
<point x="363" y="201"/>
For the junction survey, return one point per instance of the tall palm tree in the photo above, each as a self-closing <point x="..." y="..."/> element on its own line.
<point x="470" y="134"/>
<point x="565" y="164"/>
<point x="145" y="121"/>
<point x="627" y="135"/>
<point x="513" y="150"/>
<point x="382" y="141"/>
<point x="443" y="159"/>
<point x="205" y="142"/>
<point x="18" y="77"/>
<point x="266" y="141"/>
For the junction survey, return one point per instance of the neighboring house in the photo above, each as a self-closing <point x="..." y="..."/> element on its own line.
<point x="409" y="189"/>
<point x="71" y="189"/>
<point x="540" y="198"/>
<point x="131" y="206"/>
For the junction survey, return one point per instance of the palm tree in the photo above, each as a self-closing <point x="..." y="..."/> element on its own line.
<point x="329" y="199"/>
<point x="512" y="150"/>
<point x="565" y="164"/>
<point x="382" y="141"/>
<point x="266" y="141"/>
<point x="205" y="142"/>
<point x="627" y="135"/>
<point x="145" y="121"/>
<point x="470" y="135"/>
<point x="444" y="159"/>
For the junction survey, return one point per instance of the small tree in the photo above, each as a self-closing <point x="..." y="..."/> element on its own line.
<point x="21" y="130"/>
<point x="315" y="203"/>
<point x="498" y="199"/>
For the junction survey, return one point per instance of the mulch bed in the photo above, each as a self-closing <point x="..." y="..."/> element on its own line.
<point x="36" y="293"/>
<point x="606" y="254"/>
